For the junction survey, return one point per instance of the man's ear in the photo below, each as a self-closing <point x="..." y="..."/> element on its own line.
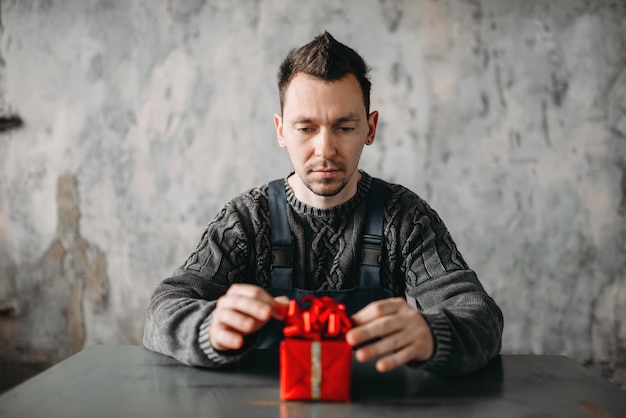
<point x="372" y="123"/>
<point x="278" y="124"/>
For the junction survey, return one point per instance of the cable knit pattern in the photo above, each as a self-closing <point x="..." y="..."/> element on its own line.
<point x="420" y="260"/>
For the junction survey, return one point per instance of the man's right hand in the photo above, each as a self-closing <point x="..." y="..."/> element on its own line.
<point x="244" y="309"/>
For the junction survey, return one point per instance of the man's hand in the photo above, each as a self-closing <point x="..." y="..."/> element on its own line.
<point x="241" y="311"/>
<point x="405" y="334"/>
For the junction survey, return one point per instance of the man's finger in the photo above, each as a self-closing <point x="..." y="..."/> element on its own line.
<point x="237" y="321"/>
<point x="225" y="339"/>
<point x="396" y="359"/>
<point x="378" y="309"/>
<point x="250" y="291"/>
<point x="281" y="306"/>
<point x="388" y="344"/>
<point x="379" y="327"/>
<point x="257" y="309"/>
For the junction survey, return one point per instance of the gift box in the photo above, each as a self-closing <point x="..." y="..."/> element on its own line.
<point x="315" y="359"/>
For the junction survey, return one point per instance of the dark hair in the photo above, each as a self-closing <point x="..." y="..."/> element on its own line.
<point x="327" y="59"/>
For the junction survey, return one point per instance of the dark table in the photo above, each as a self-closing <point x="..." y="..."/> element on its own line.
<point x="130" y="381"/>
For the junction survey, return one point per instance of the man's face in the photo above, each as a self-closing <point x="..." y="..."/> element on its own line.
<point x="324" y="127"/>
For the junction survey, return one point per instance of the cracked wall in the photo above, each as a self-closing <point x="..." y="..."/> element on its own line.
<point x="140" y="119"/>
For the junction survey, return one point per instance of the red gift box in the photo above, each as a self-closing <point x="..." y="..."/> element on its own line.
<point x="315" y="359"/>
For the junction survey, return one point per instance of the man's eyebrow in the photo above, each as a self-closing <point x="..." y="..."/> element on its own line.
<point x="301" y="119"/>
<point x="350" y="117"/>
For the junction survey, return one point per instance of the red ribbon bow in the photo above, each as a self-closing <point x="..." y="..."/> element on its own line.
<point x="324" y="318"/>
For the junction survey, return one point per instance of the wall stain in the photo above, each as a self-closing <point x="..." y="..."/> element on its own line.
<point x="608" y="333"/>
<point x="545" y="127"/>
<point x="73" y="282"/>
<point x="616" y="103"/>
<point x="560" y="87"/>
<point x="621" y="164"/>
<point x="74" y="267"/>
<point x="499" y="84"/>
<point x="484" y="99"/>
<point x="185" y="10"/>
<point x="392" y="14"/>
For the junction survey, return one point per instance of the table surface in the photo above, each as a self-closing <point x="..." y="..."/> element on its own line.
<point x="125" y="381"/>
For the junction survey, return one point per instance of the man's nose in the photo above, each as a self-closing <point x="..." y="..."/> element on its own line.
<point x="325" y="144"/>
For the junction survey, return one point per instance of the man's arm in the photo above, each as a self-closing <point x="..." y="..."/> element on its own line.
<point x="182" y="307"/>
<point x="465" y="321"/>
<point x="178" y="317"/>
<point x="464" y="324"/>
<point x="208" y="333"/>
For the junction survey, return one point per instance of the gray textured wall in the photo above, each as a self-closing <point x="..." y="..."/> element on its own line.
<point x="141" y="118"/>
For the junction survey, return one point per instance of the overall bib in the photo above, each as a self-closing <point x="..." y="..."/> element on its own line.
<point x="354" y="299"/>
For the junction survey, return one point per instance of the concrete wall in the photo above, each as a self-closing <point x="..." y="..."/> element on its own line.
<point x="141" y="118"/>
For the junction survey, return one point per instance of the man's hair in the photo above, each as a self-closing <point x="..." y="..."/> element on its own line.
<point x="327" y="59"/>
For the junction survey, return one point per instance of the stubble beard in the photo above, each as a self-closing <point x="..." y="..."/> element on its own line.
<point x="319" y="187"/>
<point x="324" y="187"/>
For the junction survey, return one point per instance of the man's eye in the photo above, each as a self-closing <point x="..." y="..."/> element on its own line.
<point x="346" y="129"/>
<point x="305" y="130"/>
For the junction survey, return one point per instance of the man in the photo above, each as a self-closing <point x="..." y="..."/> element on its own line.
<point x="220" y="304"/>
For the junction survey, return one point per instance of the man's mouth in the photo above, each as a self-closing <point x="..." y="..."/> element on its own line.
<point x="325" y="172"/>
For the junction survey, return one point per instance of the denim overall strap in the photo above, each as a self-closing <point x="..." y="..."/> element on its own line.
<point x="282" y="248"/>
<point x="371" y="254"/>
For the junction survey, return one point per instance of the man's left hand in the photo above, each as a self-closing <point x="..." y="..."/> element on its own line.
<point x="404" y="334"/>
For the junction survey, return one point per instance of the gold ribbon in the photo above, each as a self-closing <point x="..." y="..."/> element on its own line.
<point x="316" y="370"/>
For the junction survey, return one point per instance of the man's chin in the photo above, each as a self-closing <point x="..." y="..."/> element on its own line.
<point x="326" y="188"/>
<point x="326" y="193"/>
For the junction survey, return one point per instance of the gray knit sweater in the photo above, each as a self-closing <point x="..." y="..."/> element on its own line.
<point x="420" y="260"/>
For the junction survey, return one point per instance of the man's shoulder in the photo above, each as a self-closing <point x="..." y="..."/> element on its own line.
<point x="399" y="191"/>
<point x="252" y="194"/>
<point x="251" y="200"/>
<point x="403" y="200"/>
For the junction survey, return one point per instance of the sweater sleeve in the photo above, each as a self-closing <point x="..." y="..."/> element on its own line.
<point x="180" y="311"/>
<point x="465" y="321"/>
